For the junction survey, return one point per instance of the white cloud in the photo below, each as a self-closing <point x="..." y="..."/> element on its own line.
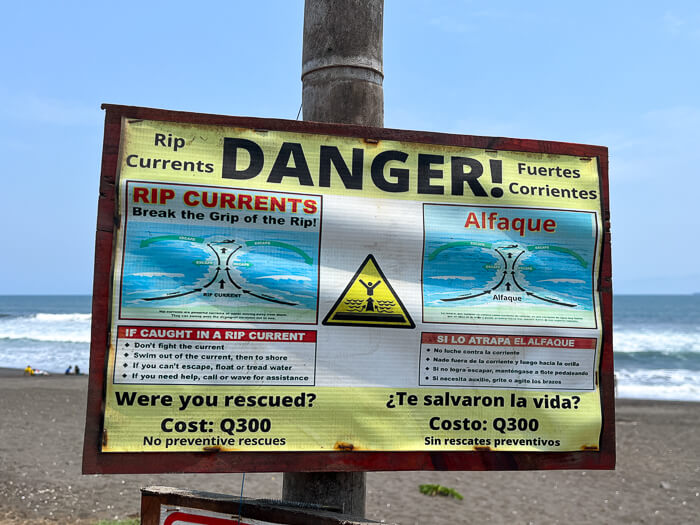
<point x="450" y="24"/>
<point x="46" y="110"/>
<point x="679" y="118"/>
<point x="673" y="23"/>
<point x="469" y="20"/>
<point x="682" y="26"/>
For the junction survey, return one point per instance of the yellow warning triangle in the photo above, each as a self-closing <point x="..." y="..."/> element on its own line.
<point x="369" y="300"/>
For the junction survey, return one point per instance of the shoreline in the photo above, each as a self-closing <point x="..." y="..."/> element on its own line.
<point x="657" y="479"/>
<point x="7" y="372"/>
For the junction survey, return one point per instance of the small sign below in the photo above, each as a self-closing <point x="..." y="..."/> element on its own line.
<point x="369" y="300"/>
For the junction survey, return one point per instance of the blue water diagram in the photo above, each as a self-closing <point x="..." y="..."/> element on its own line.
<point x="511" y="266"/>
<point x="196" y="272"/>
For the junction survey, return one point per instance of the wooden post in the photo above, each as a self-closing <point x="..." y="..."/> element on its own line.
<point x="342" y="75"/>
<point x="342" y="70"/>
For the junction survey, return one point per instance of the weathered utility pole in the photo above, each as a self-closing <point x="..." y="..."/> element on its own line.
<point x="342" y="77"/>
<point x="342" y="61"/>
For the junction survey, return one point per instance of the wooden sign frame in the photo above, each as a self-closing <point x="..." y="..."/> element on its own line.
<point x="95" y="461"/>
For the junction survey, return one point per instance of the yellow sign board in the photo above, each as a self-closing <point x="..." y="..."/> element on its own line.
<point x="258" y="276"/>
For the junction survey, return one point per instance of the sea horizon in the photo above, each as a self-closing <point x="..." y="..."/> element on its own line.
<point x="656" y="339"/>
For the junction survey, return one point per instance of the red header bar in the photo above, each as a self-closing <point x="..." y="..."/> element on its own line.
<point x="216" y="334"/>
<point x="537" y="341"/>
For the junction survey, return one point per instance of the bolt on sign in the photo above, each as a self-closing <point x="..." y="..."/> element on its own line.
<point x="279" y="295"/>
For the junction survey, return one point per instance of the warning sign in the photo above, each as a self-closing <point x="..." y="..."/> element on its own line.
<point x="369" y="300"/>
<point x="252" y="278"/>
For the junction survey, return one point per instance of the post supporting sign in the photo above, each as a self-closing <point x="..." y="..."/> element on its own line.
<point x="290" y="296"/>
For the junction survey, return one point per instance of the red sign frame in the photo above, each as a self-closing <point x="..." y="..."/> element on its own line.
<point x="97" y="462"/>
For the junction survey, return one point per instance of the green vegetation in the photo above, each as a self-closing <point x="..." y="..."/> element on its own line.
<point x="439" y="490"/>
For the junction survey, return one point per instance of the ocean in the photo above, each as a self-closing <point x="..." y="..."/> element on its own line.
<point x="656" y="340"/>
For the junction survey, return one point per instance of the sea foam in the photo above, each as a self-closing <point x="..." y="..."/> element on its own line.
<point x="65" y="328"/>
<point x="664" y="340"/>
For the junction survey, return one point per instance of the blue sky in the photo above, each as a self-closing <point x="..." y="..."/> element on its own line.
<point x="618" y="74"/>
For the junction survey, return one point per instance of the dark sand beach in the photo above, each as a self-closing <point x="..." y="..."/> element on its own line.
<point x="657" y="478"/>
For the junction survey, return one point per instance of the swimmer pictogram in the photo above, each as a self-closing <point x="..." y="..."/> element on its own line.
<point x="369" y="300"/>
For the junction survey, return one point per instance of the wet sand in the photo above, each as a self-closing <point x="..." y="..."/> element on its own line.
<point x="657" y="478"/>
